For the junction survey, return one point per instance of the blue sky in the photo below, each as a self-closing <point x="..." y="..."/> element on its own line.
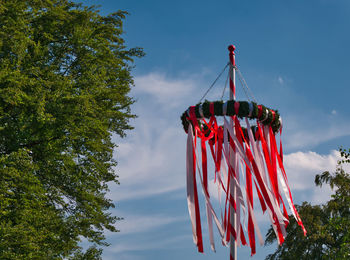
<point x="294" y="56"/>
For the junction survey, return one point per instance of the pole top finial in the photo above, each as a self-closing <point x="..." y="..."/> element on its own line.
<point x="231" y="48"/>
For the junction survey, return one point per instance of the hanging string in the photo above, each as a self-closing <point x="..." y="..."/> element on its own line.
<point x="223" y="92"/>
<point x="245" y="85"/>
<point x="212" y="85"/>
<point x="241" y="79"/>
<point x="244" y="89"/>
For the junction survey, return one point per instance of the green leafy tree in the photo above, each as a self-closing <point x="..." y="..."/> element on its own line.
<point x="64" y="84"/>
<point x="328" y="225"/>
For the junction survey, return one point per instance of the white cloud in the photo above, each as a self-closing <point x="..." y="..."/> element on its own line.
<point x="165" y="91"/>
<point x="148" y="244"/>
<point x="143" y="223"/>
<point x="302" y="164"/>
<point x="301" y="168"/>
<point x="280" y="80"/>
<point x="311" y="129"/>
<point x="151" y="160"/>
<point x="305" y="125"/>
<point x="150" y="165"/>
<point x="108" y="255"/>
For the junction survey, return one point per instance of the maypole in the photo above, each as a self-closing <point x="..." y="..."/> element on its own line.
<point x="233" y="212"/>
<point x="250" y="151"/>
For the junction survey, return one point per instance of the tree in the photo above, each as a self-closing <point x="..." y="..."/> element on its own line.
<point x="64" y="84"/>
<point x="328" y="224"/>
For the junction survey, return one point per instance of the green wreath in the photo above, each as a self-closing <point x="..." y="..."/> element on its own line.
<point x="251" y="110"/>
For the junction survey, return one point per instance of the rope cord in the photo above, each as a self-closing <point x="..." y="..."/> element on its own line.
<point x="244" y="89"/>
<point x="245" y="85"/>
<point x="241" y="79"/>
<point x="212" y="85"/>
<point x="223" y="92"/>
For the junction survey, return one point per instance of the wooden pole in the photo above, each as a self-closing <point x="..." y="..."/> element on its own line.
<point x="233" y="215"/>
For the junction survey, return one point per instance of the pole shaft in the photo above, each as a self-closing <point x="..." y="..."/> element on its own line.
<point x="233" y="243"/>
<point x="231" y="49"/>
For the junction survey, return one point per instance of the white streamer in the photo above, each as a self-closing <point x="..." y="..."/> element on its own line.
<point x="190" y="183"/>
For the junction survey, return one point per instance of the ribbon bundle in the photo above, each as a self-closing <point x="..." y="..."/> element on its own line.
<point x="247" y="162"/>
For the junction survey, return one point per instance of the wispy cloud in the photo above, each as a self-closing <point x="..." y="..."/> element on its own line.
<point x="143" y="223"/>
<point x="166" y="91"/>
<point x="149" y="244"/>
<point x="151" y="161"/>
<point x="152" y="158"/>
<point x="280" y="80"/>
<point x="301" y="169"/>
<point x="144" y="232"/>
<point x="307" y="132"/>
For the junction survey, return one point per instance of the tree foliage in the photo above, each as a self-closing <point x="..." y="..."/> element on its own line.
<point x="327" y="225"/>
<point x="64" y="84"/>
